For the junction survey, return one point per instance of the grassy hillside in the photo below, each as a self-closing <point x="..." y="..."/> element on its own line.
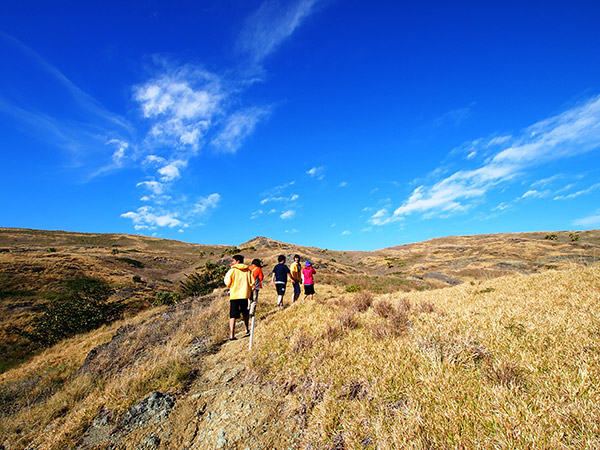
<point x="511" y="362"/>
<point x="507" y="363"/>
<point x="36" y="264"/>
<point x="460" y="342"/>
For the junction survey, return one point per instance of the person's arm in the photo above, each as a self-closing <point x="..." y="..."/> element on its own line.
<point x="273" y="278"/>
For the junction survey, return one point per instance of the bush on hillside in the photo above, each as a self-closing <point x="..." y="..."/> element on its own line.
<point x="203" y="282"/>
<point x="82" y="307"/>
<point x="132" y="262"/>
<point x="353" y="288"/>
<point x="165" y="298"/>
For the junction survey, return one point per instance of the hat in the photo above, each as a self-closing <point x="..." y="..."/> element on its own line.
<point x="308" y="263"/>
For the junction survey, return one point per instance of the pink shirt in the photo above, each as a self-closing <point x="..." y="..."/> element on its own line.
<point x="308" y="273"/>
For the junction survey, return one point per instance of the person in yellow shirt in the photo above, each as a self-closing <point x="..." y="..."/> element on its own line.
<point x="296" y="276"/>
<point x="240" y="281"/>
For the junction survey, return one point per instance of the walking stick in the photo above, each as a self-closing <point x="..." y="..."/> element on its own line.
<point x="252" y="312"/>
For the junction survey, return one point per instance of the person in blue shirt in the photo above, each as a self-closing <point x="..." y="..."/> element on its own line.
<point x="279" y="278"/>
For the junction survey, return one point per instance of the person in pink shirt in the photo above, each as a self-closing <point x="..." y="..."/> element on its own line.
<point x="308" y="279"/>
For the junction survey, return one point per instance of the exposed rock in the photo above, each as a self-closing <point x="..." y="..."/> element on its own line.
<point x="156" y="407"/>
<point x="441" y="277"/>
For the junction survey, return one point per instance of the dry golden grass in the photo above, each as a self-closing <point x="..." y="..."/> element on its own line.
<point x="52" y="402"/>
<point x="506" y="363"/>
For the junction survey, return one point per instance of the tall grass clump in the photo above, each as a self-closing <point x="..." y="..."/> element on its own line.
<point x="49" y="401"/>
<point x="516" y="368"/>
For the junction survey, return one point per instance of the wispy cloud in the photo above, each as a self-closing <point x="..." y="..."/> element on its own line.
<point x="289" y="214"/>
<point x="571" y="133"/>
<point x="317" y="172"/>
<point x="238" y="127"/>
<point x="578" y="193"/>
<point x="588" y="222"/>
<point x="181" y="105"/>
<point x="204" y="204"/>
<point x="269" y="26"/>
<point x="148" y="218"/>
<point x="453" y="117"/>
<point x="291" y="198"/>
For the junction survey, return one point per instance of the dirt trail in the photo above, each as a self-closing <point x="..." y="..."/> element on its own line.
<point x="222" y="410"/>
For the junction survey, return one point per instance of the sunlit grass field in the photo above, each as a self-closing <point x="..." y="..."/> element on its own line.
<point x="510" y="363"/>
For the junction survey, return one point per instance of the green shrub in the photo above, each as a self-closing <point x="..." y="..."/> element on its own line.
<point x="551" y="237"/>
<point x="82" y="307"/>
<point x="132" y="262"/>
<point x="203" y="282"/>
<point x="165" y="298"/>
<point x="574" y="237"/>
<point x="353" y="288"/>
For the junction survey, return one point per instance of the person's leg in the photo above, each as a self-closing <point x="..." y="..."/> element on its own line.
<point x="246" y="322"/>
<point x="280" y="294"/>
<point x="296" y="291"/>
<point x="232" y="328"/>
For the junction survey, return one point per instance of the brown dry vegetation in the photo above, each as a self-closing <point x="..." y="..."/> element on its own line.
<point x="509" y="362"/>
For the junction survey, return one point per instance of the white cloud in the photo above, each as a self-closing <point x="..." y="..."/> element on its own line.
<point x="181" y="106"/>
<point x="256" y="214"/>
<point x="545" y="181"/>
<point x="343" y="184"/>
<point x="578" y="193"/>
<point x="237" y="128"/>
<point x="292" y="198"/>
<point x="204" y="204"/>
<point x="170" y="172"/>
<point x="147" y="218"/>
<point x="346" y="233"/>
<point x="535" y="194"/>
<point x="573" y="132"/>
<point x="587" y="222"/>
<point x="317" y="172"/>
<point x="154" y="186"/>
<point x="270" y="25"/>
<point x="119" y="154"/>
<point x="289" y="214"/>
<point x="277" y="189"/>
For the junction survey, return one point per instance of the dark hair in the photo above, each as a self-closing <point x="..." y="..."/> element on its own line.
<point x="257" y="262"/>
<point x="281" y="258"/>
<point x="296" y="256"/>
<point x="239" y="258"/>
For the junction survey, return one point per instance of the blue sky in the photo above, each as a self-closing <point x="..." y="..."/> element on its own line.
<point x="339" y="124"/>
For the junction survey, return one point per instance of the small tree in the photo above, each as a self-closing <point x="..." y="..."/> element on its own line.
<point x="82" y="307"/>
<point x="203" y="282"/>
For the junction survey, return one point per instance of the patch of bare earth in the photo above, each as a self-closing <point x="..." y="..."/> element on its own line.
<point x="222" y="409"/>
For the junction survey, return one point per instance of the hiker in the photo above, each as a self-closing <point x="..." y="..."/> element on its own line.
<point x="309" y="282"/>
<point x="296" y="277"/>
<point x="256" y="269"/>
<point x="279" y="278"/>
<point x="240" y="281"/>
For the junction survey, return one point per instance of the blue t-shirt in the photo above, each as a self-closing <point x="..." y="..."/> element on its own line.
<point x="281" y="272"/>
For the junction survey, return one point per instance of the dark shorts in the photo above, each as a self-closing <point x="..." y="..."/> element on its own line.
<point x="280" y="289"/>
<point x="237" y="308"/>
<point x="309" y="289"/>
